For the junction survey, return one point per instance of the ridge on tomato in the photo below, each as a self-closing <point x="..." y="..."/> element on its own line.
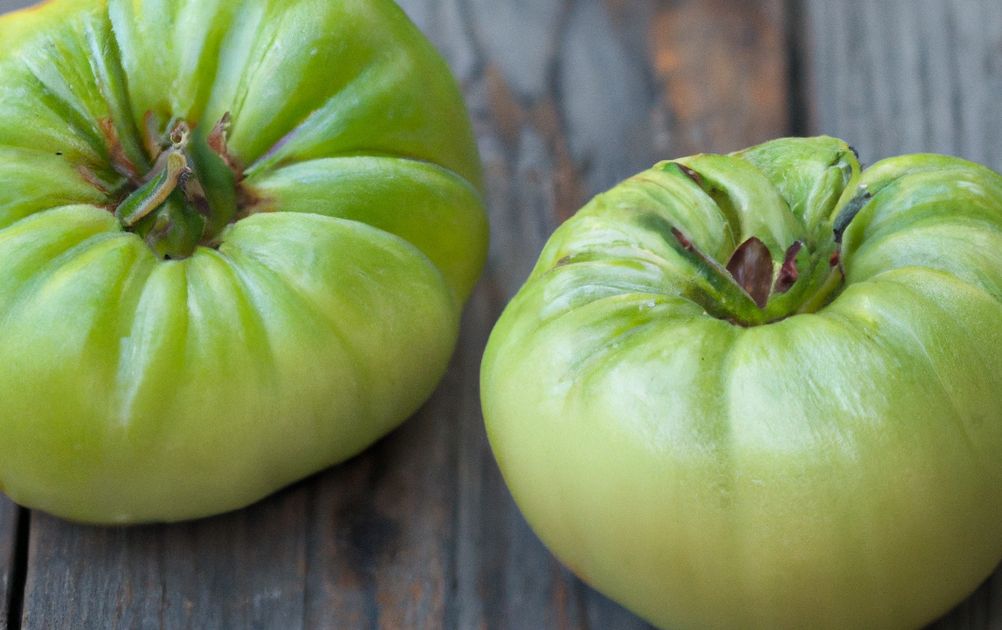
<point x="764" y="390"/>
<point x="235" y="239"/>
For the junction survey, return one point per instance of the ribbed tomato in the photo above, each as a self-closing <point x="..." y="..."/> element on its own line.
<point x="764" y="390"/>
<point x="235" y="238"/>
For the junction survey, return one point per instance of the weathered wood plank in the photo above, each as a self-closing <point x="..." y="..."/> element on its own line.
<point x="900" y="76"/>
<point x="981" y="611"/>
<point x="239" y="570"/>
<point x="8" y="560"/>
<point x="10" y="5"/>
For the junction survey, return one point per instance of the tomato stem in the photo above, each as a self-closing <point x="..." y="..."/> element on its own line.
<point x="754" y="287"/>
<point x="189" y="195"/>
<point x="155" y="192"/>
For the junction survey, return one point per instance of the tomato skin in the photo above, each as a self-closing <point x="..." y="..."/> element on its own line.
<point x="135" y="388"/>
<point x="839" y="467"/>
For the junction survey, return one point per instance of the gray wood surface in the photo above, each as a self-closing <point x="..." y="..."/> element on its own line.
<point x="8" y="556"/>
<point x="567" y="97"/>
<point x="905" y="76"/>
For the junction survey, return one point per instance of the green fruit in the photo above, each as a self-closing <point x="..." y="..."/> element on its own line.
<point x="235" y="239"/>
<point x="764" y="390"/>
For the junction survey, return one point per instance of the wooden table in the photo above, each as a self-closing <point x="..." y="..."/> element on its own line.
<point x="568" y="96"/>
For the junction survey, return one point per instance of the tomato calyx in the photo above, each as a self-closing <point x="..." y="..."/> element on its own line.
<point x="746" y="280"/>
<point x="753" y="290"/>
<point x="192" y="192"/>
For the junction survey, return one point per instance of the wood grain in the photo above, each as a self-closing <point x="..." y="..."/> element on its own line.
<point x="8" y="558"/>
<point x="10" y="5"/>
<point x="240" y="570"/>
<point x="901" y="76"/>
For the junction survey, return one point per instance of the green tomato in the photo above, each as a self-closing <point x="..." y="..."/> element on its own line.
<point x="235" y="239"/>
<point x="764" y="390"/>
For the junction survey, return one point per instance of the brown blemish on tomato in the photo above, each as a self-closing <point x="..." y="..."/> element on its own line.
<point x="119" y="160"/>
<point x="251" y="201"/>
<point x="217" y="142"/>
<point x="691" y="174"/>
<point x="681" y="238"/>
<point x="92" y="179"/>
